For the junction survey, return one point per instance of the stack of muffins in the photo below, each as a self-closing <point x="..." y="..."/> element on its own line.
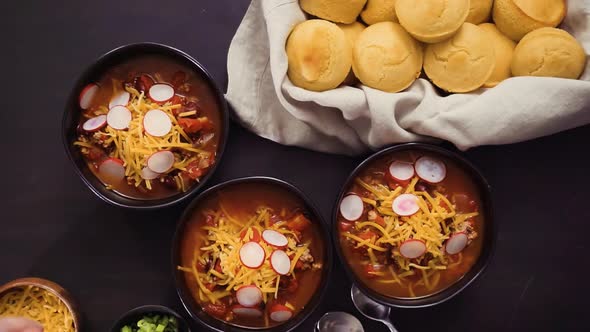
<point x="450" y="39"/>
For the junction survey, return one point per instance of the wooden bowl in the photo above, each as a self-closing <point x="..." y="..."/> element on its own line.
<point x="51" y="287"/>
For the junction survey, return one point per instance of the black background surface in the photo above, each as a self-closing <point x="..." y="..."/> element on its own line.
<point x="113" y="259"/>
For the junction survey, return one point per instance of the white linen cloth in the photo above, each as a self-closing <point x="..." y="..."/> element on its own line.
<point x="352" y="120"/>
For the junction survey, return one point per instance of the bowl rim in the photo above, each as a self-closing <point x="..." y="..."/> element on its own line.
<point x="148" y="309"/>
<point x="135" y="50"/>
<point x="316" y="299"/>
<point x="478" y="267"/>
<point x="52" y="287"/>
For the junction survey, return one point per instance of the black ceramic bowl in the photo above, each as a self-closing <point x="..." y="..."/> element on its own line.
<point x="489" y="230"/>
<point x="134" y="315"/>
<point x="94" y="73"/>
<point x="194" y="309"/>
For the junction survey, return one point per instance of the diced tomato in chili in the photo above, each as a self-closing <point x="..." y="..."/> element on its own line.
<point x="178" y="79"/>
<point x="216" y="310"/>
<point x="191" y="126"/>
<point x="345" y="226"/>
<point x="393" y="185"/>
<point x="218" y="267"/>
<point x="143" y="83"/>
<point x="201" y="267"/>
<point x="210" y="286"/>
<point x="366" y="235"/>
<point x="380" y="221"/>
<point x="210" y="221"/>
<point x="194" y="171"/>
<point x="299" y="265"/>
<point x="96" y="154"/>
<point x="298" y="223"/>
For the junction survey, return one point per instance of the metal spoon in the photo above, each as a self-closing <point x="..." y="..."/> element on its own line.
<point x="371" y="309"/>
<point x="338" y="321"/>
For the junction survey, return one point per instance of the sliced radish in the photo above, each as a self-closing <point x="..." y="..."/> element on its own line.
<point x="280" y="262"/>
<point x="401" y="171"/>
<point x="157" y="123"/>
<point x="405" y="205"/>
<point x="112" y="170"/>
<point x="431" y="170"/>
<point x="456" y="243"/>
<point x="351" y="207"/>
<point x="280" y="313"/>
<point x="161" y="161"/>
<point x="119" y="117"/>
<point x="87" y="95"/>
<point x="252" y="255"/>
<point x="249" y="296"/>
<point x="121" y="99"/>
<point x="148" y="174"/>
<point x="161" y="92"/>
<point x="95" y="123"/>
<point x="411" y="249"/>
<point x="246" y="312"/>
<point x="275" y="238"/>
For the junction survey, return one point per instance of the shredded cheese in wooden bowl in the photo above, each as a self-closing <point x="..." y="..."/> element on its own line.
<point x="31" y="298"/>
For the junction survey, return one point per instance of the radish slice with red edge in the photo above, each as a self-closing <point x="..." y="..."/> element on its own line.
<point x="87" y="95"/>
<point x="112" y="170"/>
<point x="275" y="238"/>
<point x="401" y="171"/>
<point x="280" y="262"/>
<point x="351" y="207"/>
<point x="95" y="123"/>
<point x="157" y="123"/>
<point x="161" y="161"/>
<point x="148" y="174"/>
<point x="411" y="249"/>
<point x="161" y="92"/>
<point x="252" y="255"/>
<point x="280" y="313"/>
<point x="431" y="170"/>
<point x="246" y="312"/>
<point x="119" y="117"/>
<point x="121" y="99"/>
<point x="456" y="243"/>
<point x="405" y="205"/>
<point x="249" y="296"/>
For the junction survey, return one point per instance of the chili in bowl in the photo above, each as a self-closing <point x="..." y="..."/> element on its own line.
<point x="251" y="254"/>
<point x="145" y="126"/>
<point x="413" y="225"/>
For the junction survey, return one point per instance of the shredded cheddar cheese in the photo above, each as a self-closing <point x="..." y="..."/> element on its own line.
<point x="223" y="243"/>
<point x="433" y="224"/>
<point x="134" y="146"/>
<point x="40" y="305"/>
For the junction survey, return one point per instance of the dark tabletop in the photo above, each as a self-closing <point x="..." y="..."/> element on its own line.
<point x="112" y="259"/>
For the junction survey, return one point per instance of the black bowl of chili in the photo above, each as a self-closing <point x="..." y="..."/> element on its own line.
<point x="201" y="274"/>
<point x="397" y="269"/>
<point x="145" y="126"/>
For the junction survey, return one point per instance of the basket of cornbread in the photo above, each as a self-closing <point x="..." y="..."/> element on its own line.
<point x="343" y="76"/>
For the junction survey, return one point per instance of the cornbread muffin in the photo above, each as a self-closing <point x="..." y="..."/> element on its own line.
<point x="340" y="11"/>
<point x="319" y="54"/>
<point x="549" y="52"/>
<point x="503" y="50"/>
<point x="432" y="21"/>
<point x="352" y="32"/>
<point x="386" y="57"/>
<point x="516" y="18"/>
<point x="479" y="11"/>
<point x="379" y="11"/>
<point x="463" y="63"/>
